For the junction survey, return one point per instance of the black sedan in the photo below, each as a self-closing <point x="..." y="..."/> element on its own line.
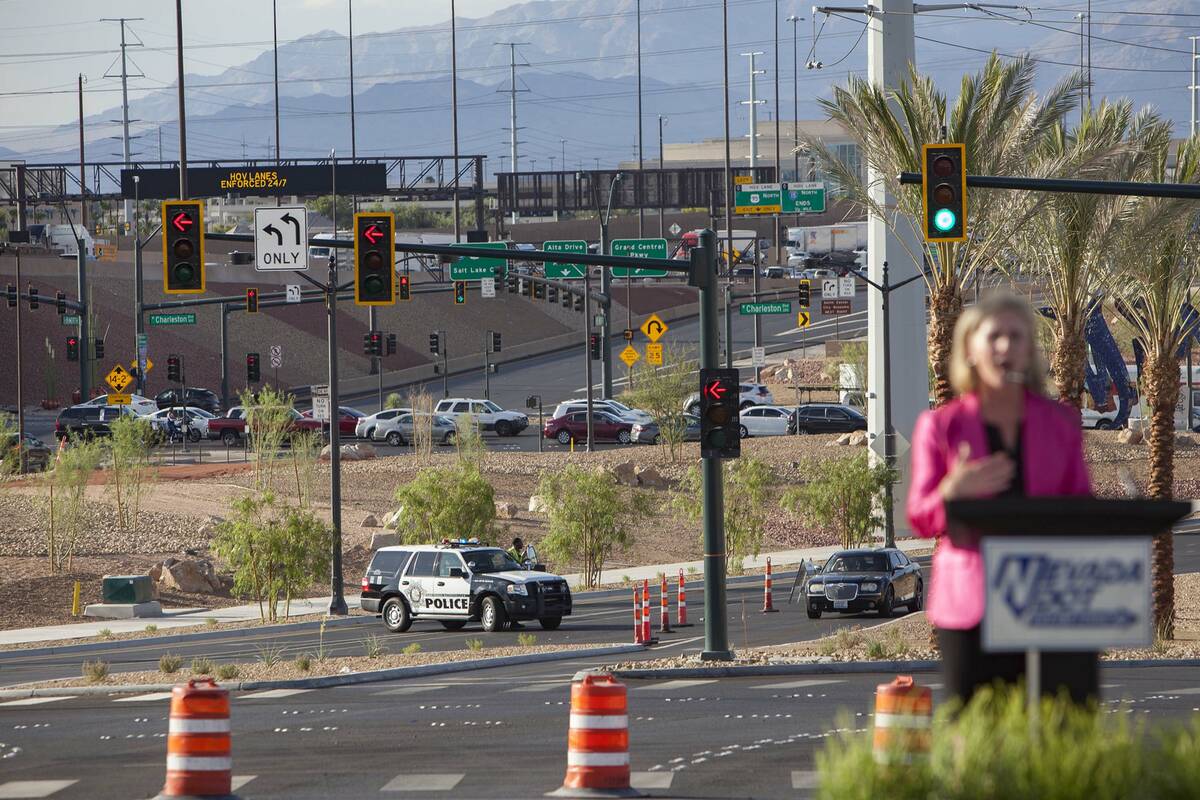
<point x="651" y="433"/>
<point x="829" y="418"/>
<point x="865" y="580"/>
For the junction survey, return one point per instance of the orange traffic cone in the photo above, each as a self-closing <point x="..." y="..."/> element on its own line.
<point x="597" y="739"/>
<point x="903" y="721"/>
<point x="768" y="598"/>
<point x="199" y="758"/>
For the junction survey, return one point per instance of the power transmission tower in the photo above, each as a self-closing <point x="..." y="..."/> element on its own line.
<point x="124" y="76"/>
<point x="512" y="92"/>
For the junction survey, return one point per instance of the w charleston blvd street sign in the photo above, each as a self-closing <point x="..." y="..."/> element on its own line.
<point x="173" y="319"/>
<point x="639" y="248"/>
<point x="479" y="267"/>
<point x="774" y="307"/>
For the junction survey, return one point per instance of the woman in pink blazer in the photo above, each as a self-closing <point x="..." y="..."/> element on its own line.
<point x="1001" y="437"/>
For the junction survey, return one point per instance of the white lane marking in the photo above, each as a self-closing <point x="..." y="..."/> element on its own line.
<point x="36" y="701"/>
<point x="541" y="687"/>
<point x="680" y="684"/>
<point x="651" y="780"/>
<point x="240" y="780"/>
<point x="411" y="690"/>
<point x="804" y="779"/>
<point x="143" y="698"/>
<point x="797" y="684"/>
<point x="21" y="790"/>
<point x="274" y="693"/>
<point x="423" y="783"/>
<point x="1192" y="690"/>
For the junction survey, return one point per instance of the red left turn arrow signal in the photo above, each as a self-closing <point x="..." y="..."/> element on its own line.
<point x="182" y="221"/>
<point x="372" y="234"/>
<point x="715" y="390"/>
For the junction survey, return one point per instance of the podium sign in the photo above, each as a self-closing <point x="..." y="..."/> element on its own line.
<point x="1067" y="593"/>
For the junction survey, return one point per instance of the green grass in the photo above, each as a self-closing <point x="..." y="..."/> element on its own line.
<point x="527" y="639"/>
<point x="105" y="633"/>
<point x="152" y="628"/>
<point x="373" y="646"/>
<point x="474" y="645"/>
<point x="412" y="649"/>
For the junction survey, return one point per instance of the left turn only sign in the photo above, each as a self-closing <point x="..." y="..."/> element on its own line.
<point x="280" y="238"/>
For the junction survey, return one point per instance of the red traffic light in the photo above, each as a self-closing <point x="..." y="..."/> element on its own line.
<point x="182" y="221"/>
<point x="715" y="390"/>
<point x="372" y="234"/>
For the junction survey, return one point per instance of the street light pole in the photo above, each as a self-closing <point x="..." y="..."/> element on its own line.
<point x="337" y="600"/>
<point x="661" y="161"/>
<point x="640" y="182"/>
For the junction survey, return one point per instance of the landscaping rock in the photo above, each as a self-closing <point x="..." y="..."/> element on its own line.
<point x="1184" y="440"/>
<point x="841" y="441"/>
<point x="370" y="521"/>
<point x="537" y="505"/>
<point x="391" y="519"/>
<point x="379" y="540"/>
<point x="857" y="439"/>
<point x="191" y="577"/>
<point x="209" y="525"/>
<point x="652" y="478"/>
<point x="626" y="473"/>
<point x="350" y="452"/>
<point x="507" y="510"/>
<point x="1130" y="436"/>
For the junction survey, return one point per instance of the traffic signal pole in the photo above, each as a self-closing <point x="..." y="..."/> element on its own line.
<point x="337" y="602"/>
<point x="20" y="384"/>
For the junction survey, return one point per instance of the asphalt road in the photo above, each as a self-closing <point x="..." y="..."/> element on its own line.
<point x="487" y="734"/>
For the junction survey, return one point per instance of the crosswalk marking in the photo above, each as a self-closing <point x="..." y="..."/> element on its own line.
<point x="37" y="701"/>
<point x="144" y="698"/>
<point x="274" y="693"/>
<point x="429" y="782"/>
<point x="240" y="780"/>
<point x="798" y="684"/>
<point x="651" y="780"/>
<point x="680" y="684"/>
<point x="26" y="790"/>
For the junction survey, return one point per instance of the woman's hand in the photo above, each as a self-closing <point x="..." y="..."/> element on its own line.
<point x="982" y="477"/>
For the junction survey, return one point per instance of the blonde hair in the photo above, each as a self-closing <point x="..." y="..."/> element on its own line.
<point x="963" y="376"/>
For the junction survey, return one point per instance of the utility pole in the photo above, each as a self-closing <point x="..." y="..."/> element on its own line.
<point x="754" y="103"/>
<point x="454" y="112"/>
<point x="337" y="600"/>
<point x="639" y="183"/>
<point x="661" y="161"/>
<point x="512" y="92"/>
<point x="83" y="220"/>
<point x="124" y="76"/>
<point x="795" y="20"/>
<point x="183" y="187"/>
<point x="728" y="166"/>
<point x="275" y="51"/>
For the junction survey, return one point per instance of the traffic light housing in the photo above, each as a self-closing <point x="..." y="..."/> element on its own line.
<point x="374" y="259"/>
<point x="252" y="301"/>
<point x="405" y="288"/>
<point x="183" y="246"/>
<point x="373" y="343"/>
<point x="594" y="345"/>
<point x="460" y="292"/>
<point x="579" y="303"/>
<point x="495" y="341"/>
<point x="435" y="344"/>
<point x="719" y="422"/>
<point x="805" y="293"/>
<point x="526" y="288"/>
<point x="514" y="284"/>
<point x="11" y="292"/>
<point x="539" y="291"/>
<point x="33" y="298"/>
<point x="72" y="348"/>
<point x="98" y="348"/>
<point x="567" y="302"/>
<point x="944" y="192"/>
<point x="252" y="368"/>
<point x="391" y="344"/>
<point x="60" y="302"/>
<point x="174" y="374"/>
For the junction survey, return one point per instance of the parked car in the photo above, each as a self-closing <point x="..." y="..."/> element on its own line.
<point x="829" y="418"/>
<point x="297" y="424"/>
<point x="773" y="272"/>
<point x="191" y="396"/>
<point x="140" y="405"/>
<point x="194" y="421"/>
<point x="651" y="433"/>
<point x="37" y="453"/>
<point x="365" y="429"/>
<point x="605" y="427"/>
<point x="398" y="431"/>
<point x="749" y="394"/>
<point x="230" y="428"/>
<point x="347" y="419"/>
<point x="865" y="580"/>
<point x="614" y="407"/>
<point x="84" y="420"/>
<point x="487" y="414"/>
<point x="767" y="421"/>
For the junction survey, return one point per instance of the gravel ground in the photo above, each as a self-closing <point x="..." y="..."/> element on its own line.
<point x="288" y="670"/>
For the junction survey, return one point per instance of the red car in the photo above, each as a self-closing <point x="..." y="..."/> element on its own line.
<point x="605" y="427"/>
<point x="347" y="420"/>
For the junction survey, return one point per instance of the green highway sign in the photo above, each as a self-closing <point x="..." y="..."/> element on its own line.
<point x="556" y="270"/>
<point x="772" y="307"/>
<point x="69" y="319"/>
<point x="177" y="318"/>
<point x="478" y="267"/>
<point x="757" y="198"/>
<point x="639" y="248"/>
<point x="803" y="198"/>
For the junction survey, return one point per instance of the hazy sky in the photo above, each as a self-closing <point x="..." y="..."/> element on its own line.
<point x="45" y="44"/>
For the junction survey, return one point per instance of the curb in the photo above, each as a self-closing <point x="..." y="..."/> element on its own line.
<point x="846" y="667"/>
<point x="373" y="676"/>
<point x="198" y="636"/>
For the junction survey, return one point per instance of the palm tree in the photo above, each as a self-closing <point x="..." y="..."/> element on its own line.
<point x="1069" y="243"/>
<point x="1152" y="291"/>
<point x="1000" y="120"/>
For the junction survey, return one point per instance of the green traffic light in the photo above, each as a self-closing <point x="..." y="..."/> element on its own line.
<point x="184" y="273"/>
<point x="945" y="220"/>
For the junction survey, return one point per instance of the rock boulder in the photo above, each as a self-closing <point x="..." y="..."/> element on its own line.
<point x="190" y="576"/>
<point x="506" y="510"/>
<point x="626" y="473"/>
<point x="652" y="478"/>
<point x="379" y="540"/>
<point x="537" y="505"/>
<point x="1130" y="436"/>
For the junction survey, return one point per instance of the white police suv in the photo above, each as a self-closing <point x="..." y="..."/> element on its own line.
<point x="457" y="582"/>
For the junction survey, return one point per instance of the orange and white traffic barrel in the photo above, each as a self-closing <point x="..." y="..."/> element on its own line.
<point x="637" y="615"/>
<point x="682" y="604"/>
<point x="598" y="739"/>
<point x="903" y="721"/>
<point x="199" y="758"/>
<point x="647" y="637"/>
<point x="768" y="596"/>
<point x="664" y="623"/>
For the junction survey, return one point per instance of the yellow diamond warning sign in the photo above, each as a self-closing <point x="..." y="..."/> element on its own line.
<point x="654" y="328"/>
<point x="119" y="379"/>
<point x="629" y="355"/>
<point x="803" y="319"/>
